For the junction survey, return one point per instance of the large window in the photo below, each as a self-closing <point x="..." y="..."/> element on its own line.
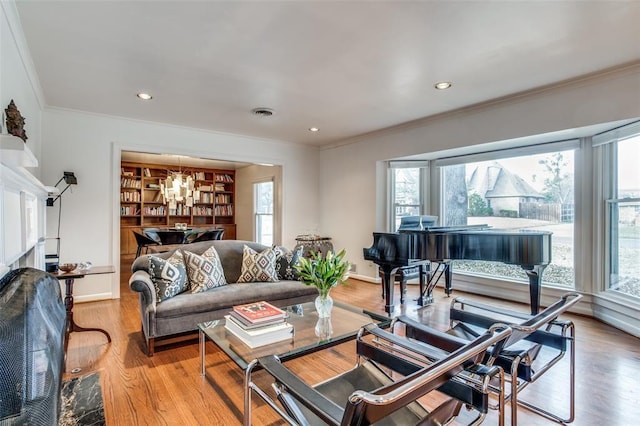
<point x="263" y="212"/>
<point x="408" y="187"/>
<point x="532" y="191"/>
<point x="621" y="151"/>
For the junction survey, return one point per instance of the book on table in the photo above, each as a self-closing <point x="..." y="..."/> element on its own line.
<point x="259" y="336"/>
<point x="259" y="312"/>
<point x="248" y="325"/>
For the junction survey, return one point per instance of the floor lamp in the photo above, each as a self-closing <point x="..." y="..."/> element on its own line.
<point x="52" y="259"/>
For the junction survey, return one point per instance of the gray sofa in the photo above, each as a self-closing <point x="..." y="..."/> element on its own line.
<point x="182" y="313"/>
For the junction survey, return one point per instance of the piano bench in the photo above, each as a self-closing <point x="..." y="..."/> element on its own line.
<point x="402" y="275"/>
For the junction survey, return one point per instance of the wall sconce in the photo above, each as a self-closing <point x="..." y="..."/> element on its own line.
<point x="70" y="179"/>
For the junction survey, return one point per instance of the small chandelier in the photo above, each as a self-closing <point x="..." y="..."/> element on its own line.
<point x="177" y="188"/>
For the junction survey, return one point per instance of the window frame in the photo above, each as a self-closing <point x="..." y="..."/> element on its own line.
<point x="257" y="215"/>
<point x="529" y="150"/>
<point x="424" y="184"/>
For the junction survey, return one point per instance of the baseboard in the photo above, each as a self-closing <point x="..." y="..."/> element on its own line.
<point x="365" y="278"/>
<point x="93" y="297"/>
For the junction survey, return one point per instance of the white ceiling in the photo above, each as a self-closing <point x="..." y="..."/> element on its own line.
<point x="348" y="67"/>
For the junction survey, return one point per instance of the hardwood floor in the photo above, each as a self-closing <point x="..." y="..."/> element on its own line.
<point x="167" y="388"/>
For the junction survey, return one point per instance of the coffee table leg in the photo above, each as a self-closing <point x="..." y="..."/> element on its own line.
<point x="247" y="392"/>
<point x="202" y="354"/>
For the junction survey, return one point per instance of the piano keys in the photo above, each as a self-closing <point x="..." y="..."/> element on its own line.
<point x="531" y="250"/>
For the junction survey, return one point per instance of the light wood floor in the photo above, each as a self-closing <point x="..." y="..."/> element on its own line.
<point x="167" y="388"/>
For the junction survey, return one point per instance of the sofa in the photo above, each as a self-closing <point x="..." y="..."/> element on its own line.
<point x="182" y="313"/>
<point x="32" y="333"/>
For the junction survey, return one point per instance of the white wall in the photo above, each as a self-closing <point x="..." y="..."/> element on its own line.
<point x="18" y="81"/>
<point x="89" y="145"/>
<point x="352" y="175"/>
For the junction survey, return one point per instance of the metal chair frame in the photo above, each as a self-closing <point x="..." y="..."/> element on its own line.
<point x="530" y="334"/>
<point x="385" y="352"/>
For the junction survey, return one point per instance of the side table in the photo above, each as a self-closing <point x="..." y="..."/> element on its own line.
<point x="69" y="278"/>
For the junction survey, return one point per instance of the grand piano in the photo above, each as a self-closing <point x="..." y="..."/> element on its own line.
<point x="390" y="251"/>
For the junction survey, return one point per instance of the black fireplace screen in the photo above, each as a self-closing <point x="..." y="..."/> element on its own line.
<point x="32" y="321"/>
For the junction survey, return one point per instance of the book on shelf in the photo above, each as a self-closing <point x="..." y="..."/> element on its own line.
<point x="260" y="336"/>
<point x="259" y="312"/>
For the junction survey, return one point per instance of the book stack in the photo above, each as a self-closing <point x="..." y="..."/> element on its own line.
<point x="258" y="324"/>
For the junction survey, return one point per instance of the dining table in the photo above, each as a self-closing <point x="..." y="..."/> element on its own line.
<point x="175" y="236"/>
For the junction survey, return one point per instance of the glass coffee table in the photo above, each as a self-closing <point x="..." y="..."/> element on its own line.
<point x="346" y="321"/>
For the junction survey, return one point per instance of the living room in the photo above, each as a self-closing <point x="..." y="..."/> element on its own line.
<point x="337" y="188"/>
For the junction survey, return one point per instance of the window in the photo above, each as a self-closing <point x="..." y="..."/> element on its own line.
<point x="534" y="191"/>
<point x="621" y="150"/>
<point x="263" y="212"/>
<point x="408" y="184"/>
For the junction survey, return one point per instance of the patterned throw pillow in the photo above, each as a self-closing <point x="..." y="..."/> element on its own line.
<point x="204" y="271"/>
<point x="285" y="261"/>
<point x="168" y="275"/>
<point x="258" y="267"/>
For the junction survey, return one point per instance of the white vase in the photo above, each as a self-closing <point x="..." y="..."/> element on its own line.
<point x="324" y="304"/>
<point x="324" y="328"/>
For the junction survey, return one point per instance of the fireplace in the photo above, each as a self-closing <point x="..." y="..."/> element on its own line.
<point x="32" y="323"/>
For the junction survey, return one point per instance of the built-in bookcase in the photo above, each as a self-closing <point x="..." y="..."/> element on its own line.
<point x="142" y="204"/>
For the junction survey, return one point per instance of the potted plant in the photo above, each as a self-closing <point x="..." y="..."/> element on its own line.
<point x="324" y="273"/>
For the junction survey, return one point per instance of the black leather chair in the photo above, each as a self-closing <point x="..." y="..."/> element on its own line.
<point x="143" y="242"/>
<point x="211" y="234"/>
<point x="385" y="385"/>
<point x="537" y="343"/>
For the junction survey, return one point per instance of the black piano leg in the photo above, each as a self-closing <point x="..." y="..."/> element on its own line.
<point x="448" y="277"/>
<point x="425" y="276"/>
<point x="535" y="286"/>
<point x="387" y="286"/>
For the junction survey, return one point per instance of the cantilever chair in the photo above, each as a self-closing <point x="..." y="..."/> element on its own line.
<point x="537" y="343"/>
<point x="143" y="242"/>
<point x="385" y="385"/>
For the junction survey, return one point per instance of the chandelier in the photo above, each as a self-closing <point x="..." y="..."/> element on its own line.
<point x="177" y="188"/>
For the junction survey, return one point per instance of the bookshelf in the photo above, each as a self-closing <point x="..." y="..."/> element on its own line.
<point x="142" y="204"/>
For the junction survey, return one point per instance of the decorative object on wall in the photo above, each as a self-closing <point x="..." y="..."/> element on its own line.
<point x="15" y="121"/>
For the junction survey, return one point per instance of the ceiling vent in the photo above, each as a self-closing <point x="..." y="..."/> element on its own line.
<point x="263" y="112"/>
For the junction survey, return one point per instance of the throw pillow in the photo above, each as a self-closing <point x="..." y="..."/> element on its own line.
<point x="258" y="267"/>
<point x="285" y="261"/>
<point x="168" y="275"/>
<point x="204" y="271"/>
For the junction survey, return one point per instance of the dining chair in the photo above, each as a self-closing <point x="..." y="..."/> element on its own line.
<point x="143" y="242"/>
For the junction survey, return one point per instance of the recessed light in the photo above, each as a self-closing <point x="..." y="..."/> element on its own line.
<point x="442" y="85"/>
<point x="313" y="129"/>
<point x="144" y="96"/>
